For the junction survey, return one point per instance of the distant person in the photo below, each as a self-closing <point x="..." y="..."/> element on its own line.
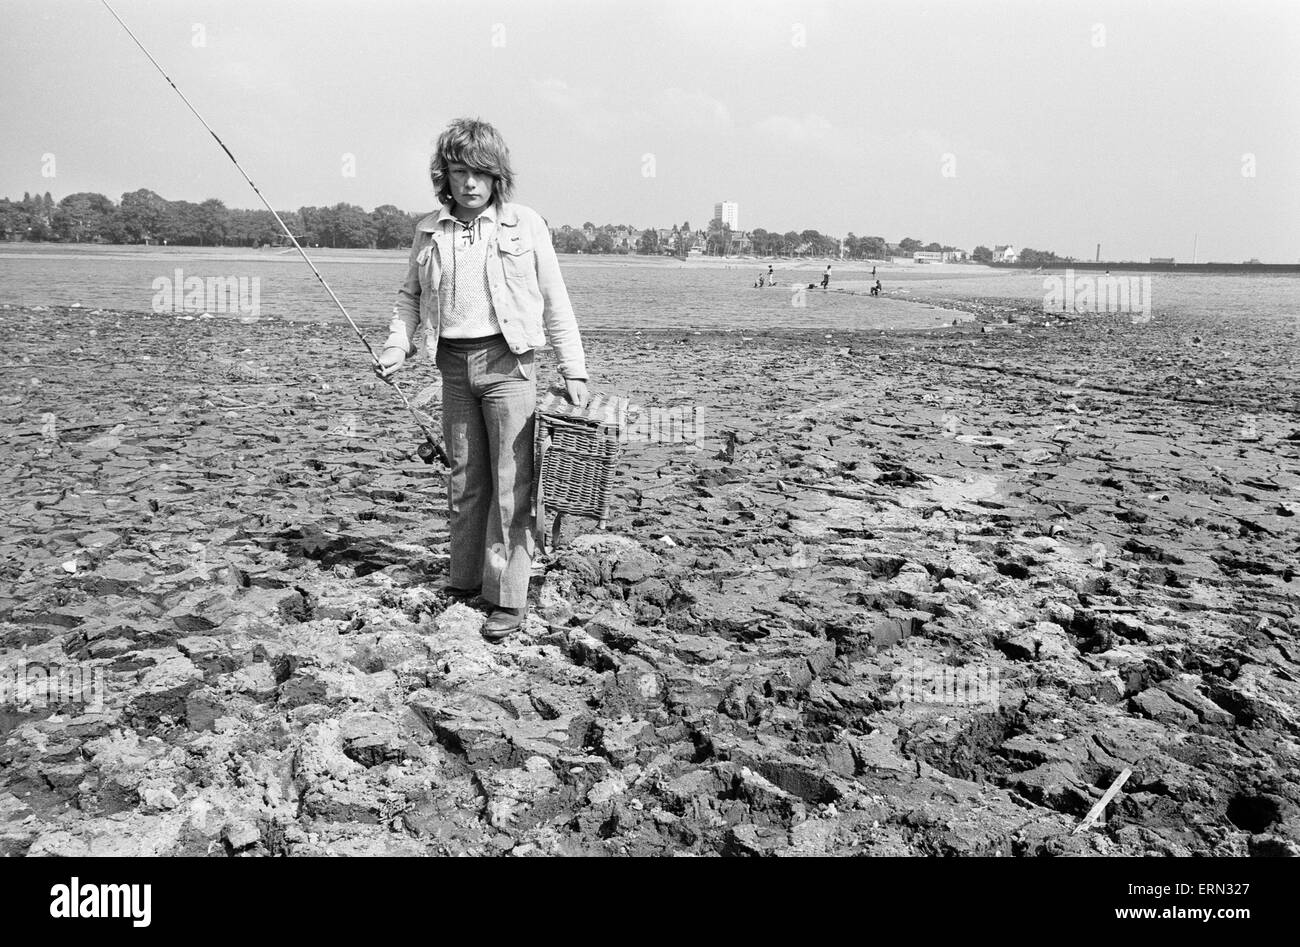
<point x="826" y="278"/>
<point x="762" y="279"/>
<point x="875" y="290"/>
<point x="771" y="277"/>
<point x="873" y="272"/>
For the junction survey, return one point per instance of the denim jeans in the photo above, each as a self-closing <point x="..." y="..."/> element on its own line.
<point x="488" y="398"/>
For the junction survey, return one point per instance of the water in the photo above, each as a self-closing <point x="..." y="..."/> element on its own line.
<point x="1203" y="296"/>
<point x="607" y="293"/>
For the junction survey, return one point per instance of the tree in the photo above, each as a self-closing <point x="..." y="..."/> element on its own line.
<point x="718" y="241"/>
<point x="141" y="215"/>
<point x="82" y="216"/>
<point x="572" y="241"/>
<point x="873" y="248"/>
<point x="603" y="243"/>
<point x="13" y="219"/>
<point x="392" y="227"/>
<point x="982" y="254"/>
<point x="649" y="241"/>
<point x="346" y="225"/>
<point x="1030" y="257"/>
<point x="214" y="221"/>
<point x="909" y="245"/>
<point x="681" y="241"/>
<point x="253" y="228"/>
<point x="311" y="229"/>
<point x="933" y="248"/>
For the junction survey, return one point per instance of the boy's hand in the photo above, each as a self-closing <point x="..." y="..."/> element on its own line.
<point x="575" y="389"/>
<point x="390" y="362"/>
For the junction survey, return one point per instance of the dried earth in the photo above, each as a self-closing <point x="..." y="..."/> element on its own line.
<point x="1090" y="524"/>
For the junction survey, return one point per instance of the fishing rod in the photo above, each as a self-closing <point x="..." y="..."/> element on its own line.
<point x="431" y="448"/>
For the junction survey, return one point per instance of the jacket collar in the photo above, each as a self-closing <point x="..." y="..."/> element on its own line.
<point x="504" y="214"/>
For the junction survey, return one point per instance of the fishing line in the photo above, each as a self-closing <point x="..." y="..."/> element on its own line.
<point x="431" y="447"/>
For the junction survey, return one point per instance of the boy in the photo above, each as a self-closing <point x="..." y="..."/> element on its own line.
<point x="484" y="282"/>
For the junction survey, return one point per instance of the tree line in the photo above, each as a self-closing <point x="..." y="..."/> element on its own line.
<point x="145" y="217"/>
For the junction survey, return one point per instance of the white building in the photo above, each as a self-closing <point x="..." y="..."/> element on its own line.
<point x="1005" y="253"/>
<point x="729" y="213"/>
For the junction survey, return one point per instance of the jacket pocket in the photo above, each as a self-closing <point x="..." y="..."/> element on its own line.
<point x="425" y="263"/>
<point x="518" y="258"/>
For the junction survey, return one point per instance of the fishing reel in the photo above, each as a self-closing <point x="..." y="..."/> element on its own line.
<point x="429" y="451"/>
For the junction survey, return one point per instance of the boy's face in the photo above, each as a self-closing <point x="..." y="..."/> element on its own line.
<point x="470" y="188"/>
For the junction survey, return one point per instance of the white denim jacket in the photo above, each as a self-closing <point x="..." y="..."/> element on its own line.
<point x="528" y="293"/>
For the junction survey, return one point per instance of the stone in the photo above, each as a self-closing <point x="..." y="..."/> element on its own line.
<point x="241" y="835"/>
<point x="1158" y="705"/>
<point x="371" y="739"/>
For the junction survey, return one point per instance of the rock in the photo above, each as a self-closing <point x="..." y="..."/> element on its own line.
<point x="241" y="835"/>
<point x="1103" y="686"/>
<point x="162" y="691"/>
<point x="1184" y="692"/>
<point x="1158" y="705"/>
<point x="371" y="739"/>
<point x="622" y="741"/>
<point x="98" y="539"/>
<point x="635" y="565"/>
<point x="1273" y="846"/>
<point x="1046" y="641"/>
<point x="606" y="790"/>
<point x="256" y="681"/>
<point x="1060" y="613"/>
<point x="203" y="708"/>
<point x="313" y="685"/>
<point x="519" y="799"/>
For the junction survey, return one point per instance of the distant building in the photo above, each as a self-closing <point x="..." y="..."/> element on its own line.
<point x="955" y="256"/>
<point x="927" y="256"/>
<point x="1005" y="253"/>
<point x="1162" y="259"/>
<point x="728" y="212"/>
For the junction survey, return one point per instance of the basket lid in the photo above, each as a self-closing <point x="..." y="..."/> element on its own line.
<point x="608" y="410"/>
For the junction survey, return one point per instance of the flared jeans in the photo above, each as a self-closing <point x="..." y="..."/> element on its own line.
<point x="488" y="397"/>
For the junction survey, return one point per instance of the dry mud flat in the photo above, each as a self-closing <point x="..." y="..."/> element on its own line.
<point x="1091" y="526"/>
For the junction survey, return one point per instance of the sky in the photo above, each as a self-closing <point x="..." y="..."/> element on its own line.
<point x="1143" y="125"/>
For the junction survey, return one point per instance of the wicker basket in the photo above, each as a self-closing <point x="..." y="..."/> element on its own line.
<point x="576" y="449"/>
